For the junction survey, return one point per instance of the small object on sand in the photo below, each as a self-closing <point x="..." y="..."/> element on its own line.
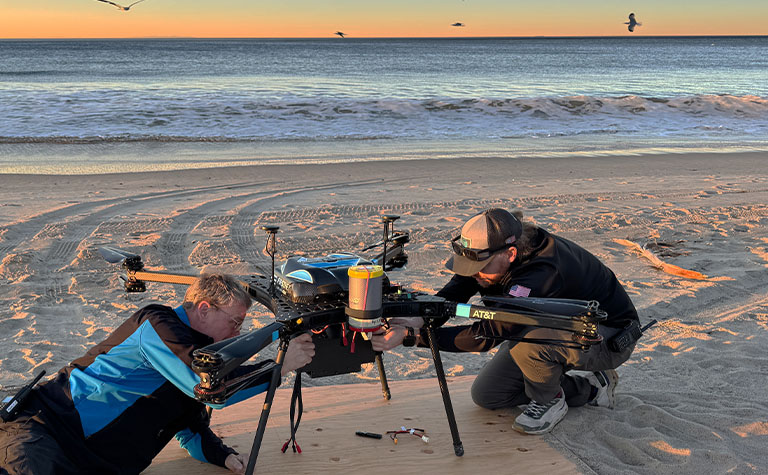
<point x="420" y="433"/>
<point x="661" y="265"/>
<point x="371" y="435"/>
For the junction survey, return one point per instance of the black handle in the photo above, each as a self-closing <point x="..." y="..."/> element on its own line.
<point x="368" y="434"/>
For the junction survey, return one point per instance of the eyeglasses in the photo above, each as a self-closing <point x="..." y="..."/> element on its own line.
<point x="237" y="320"/>
<point x="474" y="254"/>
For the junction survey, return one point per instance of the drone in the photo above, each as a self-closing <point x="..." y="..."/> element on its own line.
<point x="336" y="297"/>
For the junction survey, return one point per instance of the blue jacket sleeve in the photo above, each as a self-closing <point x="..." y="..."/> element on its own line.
<point x="172" y="360"/>
<point x="202" y="444"/>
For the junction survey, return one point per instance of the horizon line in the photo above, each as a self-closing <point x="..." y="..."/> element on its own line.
<point x="386" y="37"/>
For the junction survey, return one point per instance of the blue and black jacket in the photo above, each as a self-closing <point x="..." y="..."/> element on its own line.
<point x="114" y="409"/>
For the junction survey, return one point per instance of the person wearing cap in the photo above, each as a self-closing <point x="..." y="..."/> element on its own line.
<point x="496" y="255"/>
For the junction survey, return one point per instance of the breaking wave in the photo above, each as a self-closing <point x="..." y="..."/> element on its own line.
<point x="128" y="116"/>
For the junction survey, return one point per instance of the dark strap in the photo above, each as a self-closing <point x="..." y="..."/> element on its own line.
<point x="295" y="398"/>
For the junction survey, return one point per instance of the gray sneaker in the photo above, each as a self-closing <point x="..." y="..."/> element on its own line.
<point x="605" y="382"/>
<point x="540" y="418"/>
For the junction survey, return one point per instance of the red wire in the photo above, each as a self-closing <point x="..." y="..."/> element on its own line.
<point x="365" y="297"/>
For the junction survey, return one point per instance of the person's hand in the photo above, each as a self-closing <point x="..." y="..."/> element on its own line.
<point x="299" y="353"/>
<point x="413" y="322"/>
<point x="236" y="463"/>
<point x="392" y="337"/>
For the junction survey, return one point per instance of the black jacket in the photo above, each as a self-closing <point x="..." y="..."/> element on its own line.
<point x="556" y="268"/>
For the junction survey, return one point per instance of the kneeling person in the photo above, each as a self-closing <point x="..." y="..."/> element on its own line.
<point x="498" y="255"/>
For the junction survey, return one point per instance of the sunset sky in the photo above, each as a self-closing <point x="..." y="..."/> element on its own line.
<point x="367" y="18"/>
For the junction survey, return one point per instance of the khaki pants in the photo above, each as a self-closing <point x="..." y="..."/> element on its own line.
<point x="521" y="371"/>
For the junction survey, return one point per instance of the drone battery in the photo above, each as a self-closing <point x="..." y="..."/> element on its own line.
<point x="332" y="357"/>
<point x="365" y="303"/>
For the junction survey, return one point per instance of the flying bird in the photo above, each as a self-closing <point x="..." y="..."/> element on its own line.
<point x="632" y="23"/>
<point x="120" y="7"/>
<point x="458" y="23"/>
<point x="337" y="33"/>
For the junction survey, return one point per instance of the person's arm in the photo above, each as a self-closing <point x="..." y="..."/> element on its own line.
<point x="172" y="359"/>
<point x="459" y="289"/>
<point x="201" y="443"/>
<point x="480" y="336"/>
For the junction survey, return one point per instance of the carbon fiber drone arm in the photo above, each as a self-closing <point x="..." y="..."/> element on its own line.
<point x="215" y="363"/>
<point x="502" y="320"/>
<point x="578" y="316"/>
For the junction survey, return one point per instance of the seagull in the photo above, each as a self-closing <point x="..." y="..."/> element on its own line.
<point x="120" y="7"/>
<point x="632" y="22"/>
<point x="337" y="33"/>
<point x="458" y="23"/>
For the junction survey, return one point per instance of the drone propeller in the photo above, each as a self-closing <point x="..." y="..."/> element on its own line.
<point x="114" y="255"/>
<point x="396" y="237"/>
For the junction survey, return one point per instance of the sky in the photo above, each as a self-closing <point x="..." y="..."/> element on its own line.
<point x="368" y="18"/>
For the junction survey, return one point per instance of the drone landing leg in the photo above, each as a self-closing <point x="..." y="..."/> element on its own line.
<point x="382" y="376"/>
<point x="458" y="447"/>
<point x="273" y="384"/>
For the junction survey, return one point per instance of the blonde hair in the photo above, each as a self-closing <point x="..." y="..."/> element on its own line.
<point x="219" y="290"/>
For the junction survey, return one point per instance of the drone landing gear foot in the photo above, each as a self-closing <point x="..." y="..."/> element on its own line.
<point x="458" y="449"/>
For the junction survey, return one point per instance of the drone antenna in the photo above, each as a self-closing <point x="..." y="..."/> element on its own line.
<point x="271" y="249"/>
<point x="389" y="228"/>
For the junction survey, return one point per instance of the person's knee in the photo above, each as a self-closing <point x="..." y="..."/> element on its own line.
<point x="483" y="399"/>
<point x="486" y="397"/>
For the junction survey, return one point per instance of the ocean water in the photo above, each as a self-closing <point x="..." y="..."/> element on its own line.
<point x="274" y="100"/>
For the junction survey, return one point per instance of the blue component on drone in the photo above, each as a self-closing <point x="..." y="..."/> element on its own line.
<point x="304" y="279"/>
<point x="301" y="275"/>
<point x="331" y="261"/>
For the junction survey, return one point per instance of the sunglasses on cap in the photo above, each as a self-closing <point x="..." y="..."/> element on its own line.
<point x="475" y="254"/>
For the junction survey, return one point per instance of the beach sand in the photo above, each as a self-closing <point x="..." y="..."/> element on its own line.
<point x="690" y="400"/>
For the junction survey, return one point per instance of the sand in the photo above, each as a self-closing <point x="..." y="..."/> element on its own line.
<point x="690" y="400"/>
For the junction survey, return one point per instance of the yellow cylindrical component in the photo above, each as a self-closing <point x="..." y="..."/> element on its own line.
<point x="364" y="272"/>
<point x="365" y="304"/>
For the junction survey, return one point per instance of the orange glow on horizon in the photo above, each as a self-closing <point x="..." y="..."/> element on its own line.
<point x="89" y="19"/>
